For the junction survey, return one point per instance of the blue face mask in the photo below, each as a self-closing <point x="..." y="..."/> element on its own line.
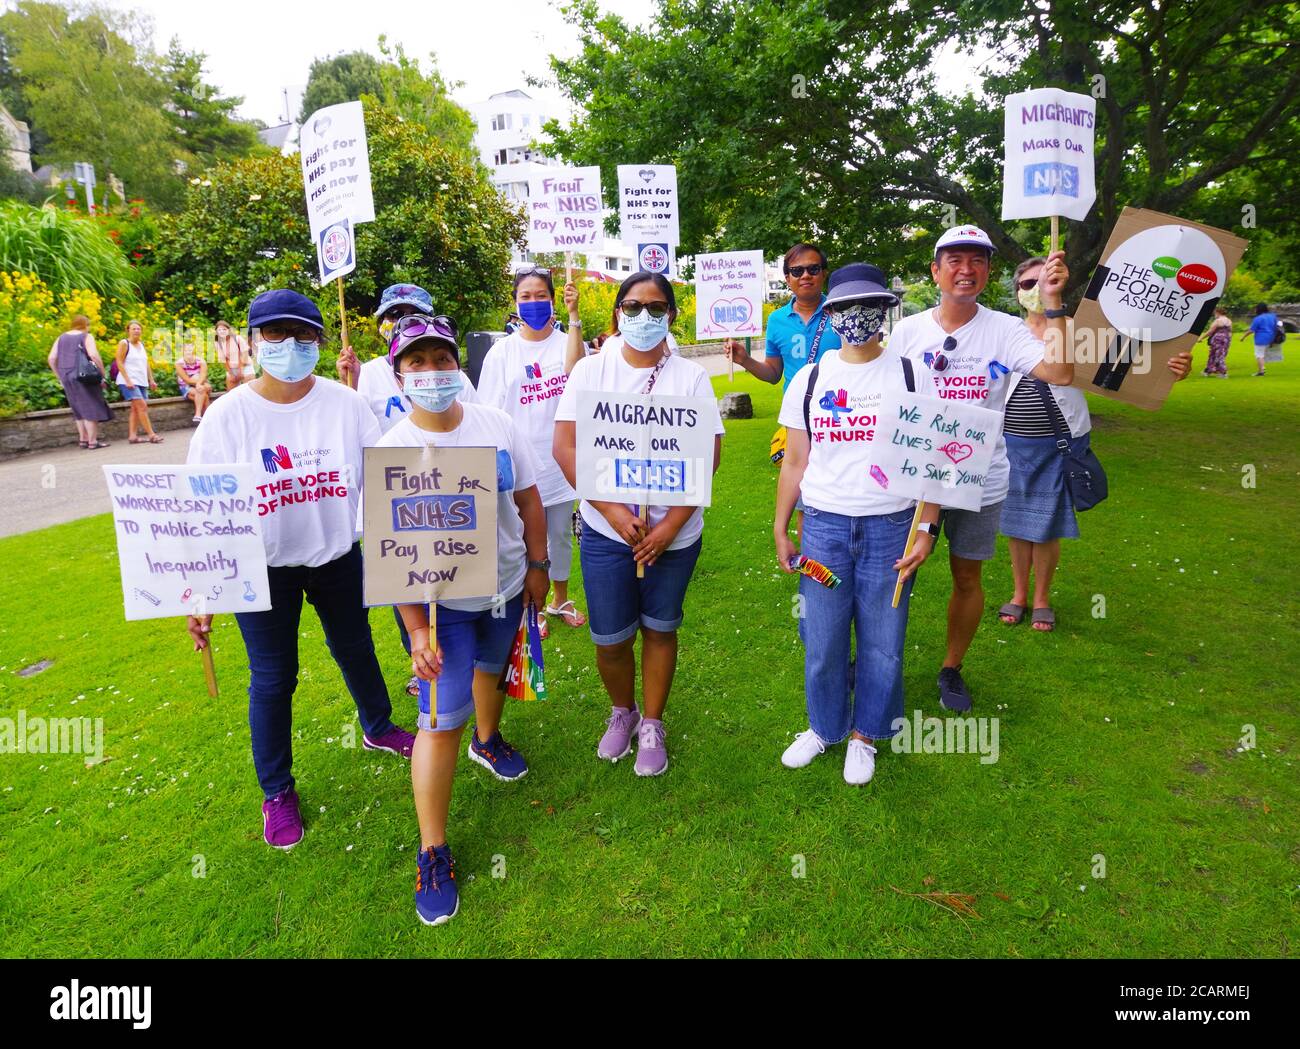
<point x="288" y="361"/>
<point x="537" y="315"/>
<point x="433" y="391"/>
<point x="642" y="332"/>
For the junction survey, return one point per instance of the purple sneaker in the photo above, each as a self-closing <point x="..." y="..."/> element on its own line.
<point x="617" y="741"/>
<point x="651" y="754"/>
<point x="396" y="741"/>
<point x="281" y="820"/>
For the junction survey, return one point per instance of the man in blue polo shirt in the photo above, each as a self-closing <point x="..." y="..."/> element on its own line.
<point x="798" y="332"/>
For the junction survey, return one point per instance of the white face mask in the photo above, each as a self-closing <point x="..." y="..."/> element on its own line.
<point x="434" y="391"/>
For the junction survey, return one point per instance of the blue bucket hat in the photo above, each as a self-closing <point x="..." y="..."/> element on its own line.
<point x="282" y="304"/>
<point x="858" y="280"/>
<point x="404" y="295"/>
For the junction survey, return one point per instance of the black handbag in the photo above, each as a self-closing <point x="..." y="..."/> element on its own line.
<point x="87" y="372"/>
<point x="1084" y="478"/>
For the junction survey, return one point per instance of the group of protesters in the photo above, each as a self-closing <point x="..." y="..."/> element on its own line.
<point x="638" y="566"/>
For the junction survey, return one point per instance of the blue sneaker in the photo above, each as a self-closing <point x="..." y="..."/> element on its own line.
<point x="498" y="757"/>
<point x="436" y="897"/>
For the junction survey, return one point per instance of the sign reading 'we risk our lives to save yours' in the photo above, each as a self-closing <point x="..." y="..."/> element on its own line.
<point x="934" y="450"/>
<point x="645" y="449"/>
<point x="429" y="524"/>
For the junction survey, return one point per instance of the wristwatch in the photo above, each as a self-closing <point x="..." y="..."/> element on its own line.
<point x="541" y="566"/>
<point x="576" y="324"/>
<point x="932" y="530"/>
<point x="1062" y="312"/>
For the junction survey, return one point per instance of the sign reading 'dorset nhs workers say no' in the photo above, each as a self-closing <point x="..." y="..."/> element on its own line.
<point x="564" y="210"/>
<point x="429" y="524"/>
<point x="934" y="449"/>
<point x="728" y="294"/>
<point x="645" y="449"/>
<point x="1049" y="168"/>
<point x="188" y="540"/>
<point x="336" y="168"/>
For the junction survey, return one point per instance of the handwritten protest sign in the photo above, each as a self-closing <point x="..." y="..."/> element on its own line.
<point x="728" y="294"/>
<point x="934" y="450"/>
<point x="645" y="448"/>
<point x="647" y="204"/>
<point x="429" y="524"/>
<point x="564" y="210"/>
<point x="336" y="167"/>
<point x="1049" y="164"/>
<point x="1150" y="298"/>
<point x="188" y="540"/>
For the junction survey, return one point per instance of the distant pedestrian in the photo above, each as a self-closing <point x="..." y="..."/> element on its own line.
<point x="134" y="381"/>
<point x="1264" y="327"/>
<point x="234" y="355"/>
<point x="192" y="380"/>
<point x="70" y="357"/>
<point x="1219" y="338"/>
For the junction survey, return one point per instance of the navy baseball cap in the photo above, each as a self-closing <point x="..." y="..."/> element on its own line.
<point x="404" y="295"/>
<point x="858" y="280"/>
<point x="282" y="304"/>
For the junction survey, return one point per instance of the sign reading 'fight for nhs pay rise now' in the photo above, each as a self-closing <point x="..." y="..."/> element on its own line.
<point x="645" y="449"/>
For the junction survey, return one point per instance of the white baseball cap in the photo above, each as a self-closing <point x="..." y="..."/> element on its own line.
<point x="964" y="237"/>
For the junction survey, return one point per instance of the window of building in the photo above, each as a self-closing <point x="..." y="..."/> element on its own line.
<point x="499" y="157"/>
<point x="501" y="122"/>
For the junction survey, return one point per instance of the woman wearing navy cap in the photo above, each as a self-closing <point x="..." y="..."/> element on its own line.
<point x="304" y="435"/>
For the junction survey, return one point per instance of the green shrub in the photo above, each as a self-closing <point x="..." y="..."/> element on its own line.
<point x="66" y="251"/>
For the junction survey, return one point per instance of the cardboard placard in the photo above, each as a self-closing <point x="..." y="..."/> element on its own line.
<point x="336" y="168"/>
<point x="565" y="210"/>
<point x="1150" y="298"/>
<point x="1049" y="166"/>
<point x="645" y="449"/>
<point x="647" y="204"/>
<point x="729" y="294"/>
<point x="429" y="524"/>
<point x="933" y="449"/>
<point x="188" y="539"/>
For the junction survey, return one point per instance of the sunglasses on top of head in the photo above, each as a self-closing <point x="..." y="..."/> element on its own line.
<point x="632" y="308"/>
<point x="812" y="271"/>
<point x="414" y="325"/>
<point x="532" y="271"/>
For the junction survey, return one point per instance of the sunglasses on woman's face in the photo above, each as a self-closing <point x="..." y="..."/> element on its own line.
<point x="416" y="324"/>
<point x="1027" y="283"/>
<point x="940" y="362"/>
<point x="631" y="308"/>
<point x="279" y="332"/>
<point x="812" y="271"/>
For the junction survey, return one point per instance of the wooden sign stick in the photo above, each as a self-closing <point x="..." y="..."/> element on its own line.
<point x="645" y="516"/>
<point x="568" y="267"/>
<point x="1056" y="233"/>
<point x="209" y="671"/>
<point x="343" y="328"/>
<point x="911" y="539"/>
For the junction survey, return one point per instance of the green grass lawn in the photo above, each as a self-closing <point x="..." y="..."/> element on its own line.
<point x="1118" y="738"/>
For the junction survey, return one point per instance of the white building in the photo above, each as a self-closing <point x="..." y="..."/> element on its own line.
<point x="509" y="124"/>
<point x="16" y="140"/>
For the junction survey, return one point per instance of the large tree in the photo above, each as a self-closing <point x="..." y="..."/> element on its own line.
<point x="205" y="124"/>
<point x="342" y="78"/>
<point x="825" y="118"/>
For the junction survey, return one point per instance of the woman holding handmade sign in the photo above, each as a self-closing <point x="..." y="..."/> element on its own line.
<point x="524" y="375"/>
<point x="638" y="564"/>
<point x="473" y="637"/>
<point x="307" y="434"/>
<point x="854" y="530"/>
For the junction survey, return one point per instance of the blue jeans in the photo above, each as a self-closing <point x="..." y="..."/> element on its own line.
<point x="862" y="552"/>
<point x="271" y="638"/>
<point x="618" y="603"/>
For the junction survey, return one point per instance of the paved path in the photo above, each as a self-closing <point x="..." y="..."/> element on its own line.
<point x="65" y="484"/>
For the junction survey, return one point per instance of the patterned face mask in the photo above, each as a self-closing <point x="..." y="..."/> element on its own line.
<point x="1031" y="300"/>
<point x="858" y="324"/>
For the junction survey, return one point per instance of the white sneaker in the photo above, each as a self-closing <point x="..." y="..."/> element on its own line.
<point x="859" y="763"/>
<point x="806" y="746"/>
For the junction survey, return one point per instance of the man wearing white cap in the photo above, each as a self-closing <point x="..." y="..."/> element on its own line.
<point x="972" y="352"/>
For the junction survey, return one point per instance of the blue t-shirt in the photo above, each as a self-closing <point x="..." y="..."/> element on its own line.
<point x="789" y="338"/>
<point x="1264" y="327"/>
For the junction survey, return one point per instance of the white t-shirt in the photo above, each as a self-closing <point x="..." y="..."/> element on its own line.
<point x="990" y="346"/>
<point x="307" y="457"/>
<point x="836" y="478"/>
<point x="137" y="366"/>
<point x="525" y="379"/>
<point x="377" y="383"/>
<point x="610" y="372"/>
<point x="485" y="427"/>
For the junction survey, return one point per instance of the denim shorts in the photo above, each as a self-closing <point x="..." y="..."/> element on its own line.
<point x="469" y="641"/>
<point x="618" y="602"/>
<point x="972" y="534"/>
<point x="135" y="393"/>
